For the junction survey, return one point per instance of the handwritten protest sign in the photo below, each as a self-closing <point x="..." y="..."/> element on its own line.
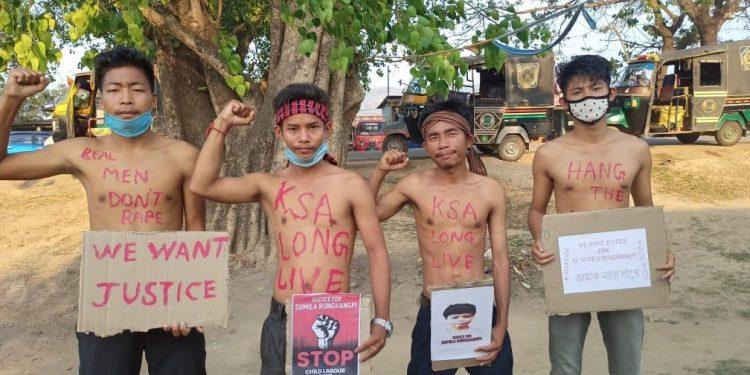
<point x="325" y="333"/>
<point x="139" y="281"/>
<point x="460" y="322"/>
<point x="605" y="260"/>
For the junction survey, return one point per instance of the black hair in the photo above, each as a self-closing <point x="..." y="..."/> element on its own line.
<point x="298" y="91"/>
<point x="459" y="308"/>
<point x="120" y="56"/>
<point x="591" y="67"/>
<point x="452" y="105"/>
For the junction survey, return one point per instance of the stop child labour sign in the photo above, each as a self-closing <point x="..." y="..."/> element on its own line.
<point x="325" y="333"/>
<point x="142" y="280"/>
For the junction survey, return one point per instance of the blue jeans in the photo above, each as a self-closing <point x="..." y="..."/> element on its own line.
<point x="421" y="363"/>
<point x="622" y="332"/>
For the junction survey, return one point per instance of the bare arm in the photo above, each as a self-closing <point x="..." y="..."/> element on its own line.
<point x="641" y="190"/>
<point x="51" y="160"/>
<point x="365" y="217"/>
<point x="642" y="196"/>
<point x="392" y="202"/>
<point x="205" y="180"/>
<point x="500" y="259"/>
<point x="195" y="205"/>
<point x="541" y="194"/>
<point x="500" y="274"/>
<point x="21" y="84"/>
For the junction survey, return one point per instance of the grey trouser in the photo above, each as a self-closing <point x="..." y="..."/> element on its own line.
<point x="273" y="341"/>
<point x="622" y="332"/>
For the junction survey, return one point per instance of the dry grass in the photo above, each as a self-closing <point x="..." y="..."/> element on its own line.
<point x="707" y="179"/>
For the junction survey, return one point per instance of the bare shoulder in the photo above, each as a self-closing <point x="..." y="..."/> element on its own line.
<point x="79" y="148"/>
<point x="491" y="188"/>
<point x="178" y="148"/>
<point x="637" y="143"/>
<point x="351" y="181"/>
<point x="412" y="180"/>
<point x="551" y="149"/>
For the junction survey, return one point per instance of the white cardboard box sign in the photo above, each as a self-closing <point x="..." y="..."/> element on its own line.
<point x="605" y="260"/>
<point x="142" y="280"/>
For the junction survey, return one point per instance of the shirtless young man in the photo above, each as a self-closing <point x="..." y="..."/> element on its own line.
<point x="315" y="207"/>
<point x="454" y="207"/>
<point x="591" y="168"/>
<point x="128" y="188"/>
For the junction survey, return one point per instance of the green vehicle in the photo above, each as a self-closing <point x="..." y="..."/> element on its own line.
<point x="686" y="94"/>
<point x="512" y="107"/>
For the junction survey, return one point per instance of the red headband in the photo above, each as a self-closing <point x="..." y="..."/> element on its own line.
<point x="296" y="107"/>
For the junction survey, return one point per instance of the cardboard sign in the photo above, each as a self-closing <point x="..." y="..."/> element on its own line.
<point x="461" y="321"/>
<point x="142" y="280"/>
<point x="325" y="333"/>
<point x="605" y="260"/>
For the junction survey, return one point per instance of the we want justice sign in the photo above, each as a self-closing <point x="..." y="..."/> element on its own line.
<point x="139" y="281"/>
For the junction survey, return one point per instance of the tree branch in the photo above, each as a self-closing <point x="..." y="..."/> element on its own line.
<point x="206" y="51"/>
<point x="569" y="4"/>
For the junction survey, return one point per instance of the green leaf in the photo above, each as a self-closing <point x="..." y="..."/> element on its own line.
<point x="411" y="11"/>
<point x="240" y="90"/>
<point x="307" y="46"/>
<point x="42" y="49"/>
<point x="4" y="19"/>
<point x="414" y="37"/>
<point x="234" y="66"/>
<point x="79" y="20"/>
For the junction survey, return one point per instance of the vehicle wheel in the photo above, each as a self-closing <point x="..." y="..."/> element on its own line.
<point x="688" y="138"/>
<point x="512" y="147"/>
<point x="487" y="149"/>
<point x="729" y="134"/>
<point x="395" y="143"/>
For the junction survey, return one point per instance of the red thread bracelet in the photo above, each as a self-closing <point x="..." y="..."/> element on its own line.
<point x="212" y="127"/>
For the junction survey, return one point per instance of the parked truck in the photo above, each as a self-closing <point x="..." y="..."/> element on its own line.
<point x="512" y="106"/>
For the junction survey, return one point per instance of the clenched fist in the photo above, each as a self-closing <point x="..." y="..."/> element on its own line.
<point x="235" y="113"/>
<point x="325" y="329"/>
<point x="23" y="83"/>
<point x="393" y="160"/>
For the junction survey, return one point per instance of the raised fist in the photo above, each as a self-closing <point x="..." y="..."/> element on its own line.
<point x="23" y="83"/>
<point x="393" y="160"/>
<point x="236" y="113"/>
<point x="325" y="328"/>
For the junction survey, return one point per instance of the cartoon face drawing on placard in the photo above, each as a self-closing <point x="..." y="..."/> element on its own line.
<point x="460" y="316"/>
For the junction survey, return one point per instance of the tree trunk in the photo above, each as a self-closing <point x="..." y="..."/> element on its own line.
<point x="193" y="92"/>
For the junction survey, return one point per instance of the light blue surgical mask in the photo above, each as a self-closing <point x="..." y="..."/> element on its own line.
<point x="129" y="128"/>
<point x="320" y="153"/>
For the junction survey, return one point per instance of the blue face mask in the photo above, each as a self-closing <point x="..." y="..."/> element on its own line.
<point x="129" y="128"/>
<point x="317" y="157"/>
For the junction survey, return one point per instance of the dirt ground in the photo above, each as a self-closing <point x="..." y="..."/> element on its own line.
<point x="706" y="331"/>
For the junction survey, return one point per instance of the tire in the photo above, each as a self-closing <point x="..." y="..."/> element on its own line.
<point x="729" y="133"/>
<point x="688" y="138"/>
<point x="487" y="149"/>
<point x="395" y="143"/>
<point x="512" y="147"/>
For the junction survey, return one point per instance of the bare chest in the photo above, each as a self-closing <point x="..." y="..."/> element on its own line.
<point x="131" y="191"/>
<point x="598" y="179"/>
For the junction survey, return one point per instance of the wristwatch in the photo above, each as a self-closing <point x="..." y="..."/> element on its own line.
<point x="386" y="324"/>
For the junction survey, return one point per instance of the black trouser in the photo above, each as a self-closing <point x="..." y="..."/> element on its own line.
<point x="421" y="360"/>
<point x="121" y="354"/>
<point x="273" y="341"/>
